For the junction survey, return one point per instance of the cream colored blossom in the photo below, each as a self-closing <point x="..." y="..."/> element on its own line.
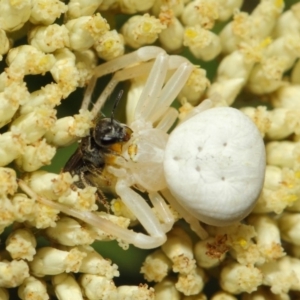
<point x="49" y="38"/>
<point x="156" y="266"/>
<point x="35" y="156"/>
<point x="14" y="14"/>
<point x="46" y="11"/>
<point x="4" y="43"/>
<point x="140" y="292"/>
<point x="178" y="248"/>
<point x="84" y="31"/>
<point x="203" y="43"/>
<point x="69" y="232"/>
<point x="166" y="290"/>
<point x="191" y="283"/>
<point x="171" y="38"/>
<point x="26" y="59"/>
<point x="97" y="287"/>
<point x="79" y="8"/>
<point x="51" y="261"/>
<point x="282" y="275"/>
<point x="13" y="273"/>
<point x="201" y="12"/>
<point x="66" y="287"/>
<point x="33" y="288"/>
<point x="68" y="129"/>
<point x="141" y="30"/>
<point x="110" y="45"/>
<point x="134" y="6"/>
<point x="236" y="278"/>
<point x="21" y="244"/>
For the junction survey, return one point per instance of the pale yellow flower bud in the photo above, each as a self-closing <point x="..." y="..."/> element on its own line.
<point x="8" y="181"/>
<point x="175" y="6"/>
<point x="283" y="153"/>
<point x="229" y="89"/>
<point x="86" y="61"/>
<point x="191" y="283"/>
<point x="110" y="45"/>
<point x="141" y="30"/>
<point x="97" y="287"/>
<point x="203" y="43"/>
<point x="79" y="8"/>
<point x="12" y="144"/>
<point x="290" y="227"/>
<point x="35" y="156"/>
<point x="207" y="254"/>
<point x="268" y="237"/>
<point x="26" y="60"/>
<point x="171" y="38"/>
<point x="288" y="22"/>
<point x="179" y="249"/>
<point x="236" y="278"/>
<point x="260" y="117"/>
<point x="136" y="292"/>
<point x="49" y="38"/>
<point x="282" y="275"/>
<point x="7" y="213"/>
<point x="24" y="207"/>
<point x="14" y="94"/>
<point x="14" y="14"/>
<point x="51" y="261"/>
<point x="21" y="244"/>
<point x="35" y="124"/>
<point x="195" y="87"/>
<point x="66" y="287"/>
<point x="83" y="31"/>
<point x="281" y="190"/>
<point x="69" y="232"/>
<point x="134" y="6"/>
<point x="46" y="11"/>
<point x="201" y="12"/>
<point x="48" y="96"/>
<point x="94" y="263"/>
<point x="67" y="130"/>
<point x="33" y="288"/>
<point x="156" y="266"/>
<point x="166" y="290"/>
<point x="13" y="273"/>
<point x="4" y="43"/>
<point x="64" y="71"/>
<point x="227" y="8"/>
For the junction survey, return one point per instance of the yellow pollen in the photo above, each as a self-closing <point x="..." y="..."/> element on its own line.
<point x="191" y="33"/>
<point x="147" y="27"/>
<point x="243" y="243"/>
<point x="264" y="43"/>
<point x="290" y="198"/>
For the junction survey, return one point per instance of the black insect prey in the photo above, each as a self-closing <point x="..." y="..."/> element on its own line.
<point x="103" y="143"/>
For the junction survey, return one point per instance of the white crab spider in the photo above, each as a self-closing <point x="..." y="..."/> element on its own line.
<point x="148" y="166"/>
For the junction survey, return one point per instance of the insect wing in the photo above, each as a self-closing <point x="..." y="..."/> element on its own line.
<point x="75" y="162"/>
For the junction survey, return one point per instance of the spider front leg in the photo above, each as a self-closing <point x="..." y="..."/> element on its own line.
<point x="139" y="240"/>
<point x="141" y="55"/>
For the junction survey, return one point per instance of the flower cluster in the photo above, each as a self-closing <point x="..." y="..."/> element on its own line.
<point x="256" y="54"/>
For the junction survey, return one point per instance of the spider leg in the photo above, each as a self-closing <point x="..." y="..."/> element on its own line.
<point x="140" y="240"/>
<point x="141" y="55"/>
